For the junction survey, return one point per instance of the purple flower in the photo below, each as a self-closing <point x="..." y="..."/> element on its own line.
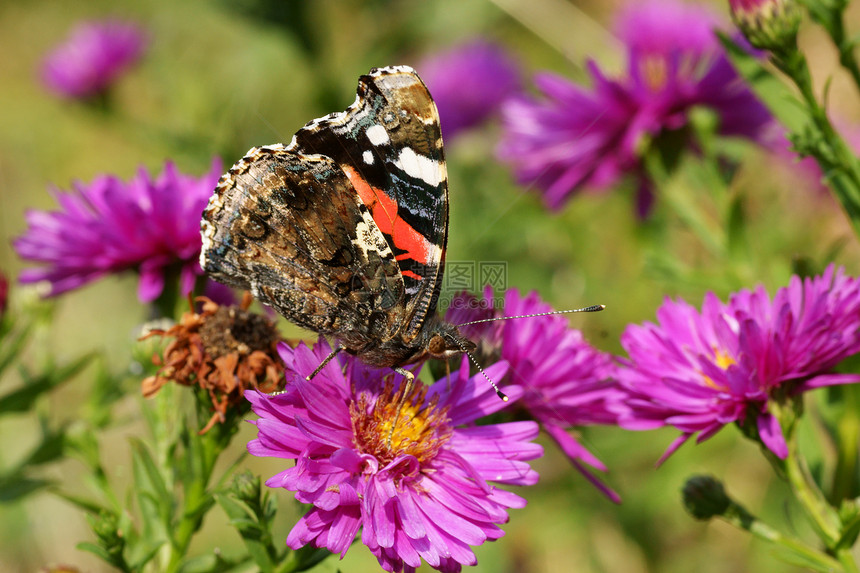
<point x="418" y="491"/>
<point x="469" y="83"/>
<point x="93" y="56"/>
<point x="107" y="226"/>
<point x="566" y="382"/>
<point x="698" y="371"/>
<point x="574" y="137"/>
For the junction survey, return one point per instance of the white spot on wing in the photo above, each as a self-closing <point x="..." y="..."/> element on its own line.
<point x="419" y="167"/>
<point x="377" y="135"/>
<point x="369" y="239"/>
<point x="367" y="156"/>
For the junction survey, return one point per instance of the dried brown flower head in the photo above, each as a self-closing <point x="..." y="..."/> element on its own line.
<point x="222" y="349"/>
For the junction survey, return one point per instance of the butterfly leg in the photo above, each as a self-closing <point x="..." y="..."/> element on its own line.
<point x="407" y="390"/>
<point x="315" y="372"/>
<point x="323" y="364"/>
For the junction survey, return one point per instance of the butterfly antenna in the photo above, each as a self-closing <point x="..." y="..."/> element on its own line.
<point x="592" y="308"/>
<point x="499" y="393"/>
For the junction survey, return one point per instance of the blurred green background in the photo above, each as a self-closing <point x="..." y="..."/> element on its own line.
<point x="222" y="76"/>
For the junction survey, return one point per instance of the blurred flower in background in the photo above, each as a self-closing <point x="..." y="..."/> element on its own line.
<point x="94" y="55"/>
<point x="224" y="350"/>
<point x="698" y="371"/>
<point x="107" y="226"/>
<point x="469" y="83"/>
<point x="4" y="294"/>
<point x="418" y="485"/>
<point x="567" y="383"/>
<point x="575" y="137"/>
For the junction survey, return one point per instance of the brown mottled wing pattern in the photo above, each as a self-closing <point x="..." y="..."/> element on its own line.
<point x="290" y="228"/>
<point x="389" y="144"/>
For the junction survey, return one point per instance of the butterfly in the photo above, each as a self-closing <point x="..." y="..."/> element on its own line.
<point x="344" y="230"/>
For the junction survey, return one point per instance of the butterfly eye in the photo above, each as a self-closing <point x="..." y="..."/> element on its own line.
<point x="437" y="345"/>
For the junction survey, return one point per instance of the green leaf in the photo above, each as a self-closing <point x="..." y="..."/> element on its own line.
<point x="17" y="486"/>
<point x="148" y="554"/>
<point x="770" y="89"/>
<point x="22" y="399"/>
<point x="87" y="505"/>
<point x="214" y="563"/>
<point x="850" y="525"/>
<point x="51" y="448"/>
<point x="736" y="228"/>
<point x="254" y="535"/>
<point x="106" y="390"/>
<point x="11" y="348"/>
<point x="155" y="498"/>
<point x="96" y="550"/>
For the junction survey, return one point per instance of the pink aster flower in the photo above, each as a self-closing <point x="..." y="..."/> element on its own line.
<point x="92" y="57"/>
<point x="567" y="383"/>
<point x="700" y="370"/>
<point x="575" y="137"/>
<point x="107" y="226"/>
<point x="418" y="491"/>
<point x="469" y="83"/>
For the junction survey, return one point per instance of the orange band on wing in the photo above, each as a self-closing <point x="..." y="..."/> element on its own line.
<point x="384" y="211"/>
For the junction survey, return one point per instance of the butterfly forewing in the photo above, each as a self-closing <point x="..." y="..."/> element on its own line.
<point x="389" y="144"/>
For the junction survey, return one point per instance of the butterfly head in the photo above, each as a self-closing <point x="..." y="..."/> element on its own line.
<point x="446" y="341"/>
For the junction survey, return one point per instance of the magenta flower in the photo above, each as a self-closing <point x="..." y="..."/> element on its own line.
<point x="698" y="371"/>
<point x="575" y="137"/>
<point x="469" y="83"/>
<point x="419" y="491"/>
<point x="108" y="226"/>
<point x="567" y="383"/>
<point x="93" y="56"/>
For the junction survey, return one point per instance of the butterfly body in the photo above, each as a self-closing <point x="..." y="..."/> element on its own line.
<point x="343" y="231"/>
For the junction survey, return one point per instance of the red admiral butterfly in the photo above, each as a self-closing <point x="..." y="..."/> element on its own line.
<point x="343" y="231"/>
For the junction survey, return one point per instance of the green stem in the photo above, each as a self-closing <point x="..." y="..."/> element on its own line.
<point x="202" y="453"/>
<point x="848" y="444"/>
<point x="835" y="157"/>
<point x="822" y="517"/>
<point x="843" y="44"/>
<point x="812" y="558"/>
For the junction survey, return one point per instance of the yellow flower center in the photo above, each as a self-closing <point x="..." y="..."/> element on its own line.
<point x="723" y="360"/>
<point x="417" y="429"/>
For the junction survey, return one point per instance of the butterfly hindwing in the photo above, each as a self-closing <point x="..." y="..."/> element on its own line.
<point x="291" y="229"/>
<point x="389" y="145"/>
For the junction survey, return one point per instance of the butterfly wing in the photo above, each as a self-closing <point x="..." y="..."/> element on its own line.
<point x="389" y="145"/>
<point x="291" y="229"/>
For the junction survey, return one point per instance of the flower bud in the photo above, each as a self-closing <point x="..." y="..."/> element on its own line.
<point x="705" y="498"/>
<point x="767" y="24"/>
